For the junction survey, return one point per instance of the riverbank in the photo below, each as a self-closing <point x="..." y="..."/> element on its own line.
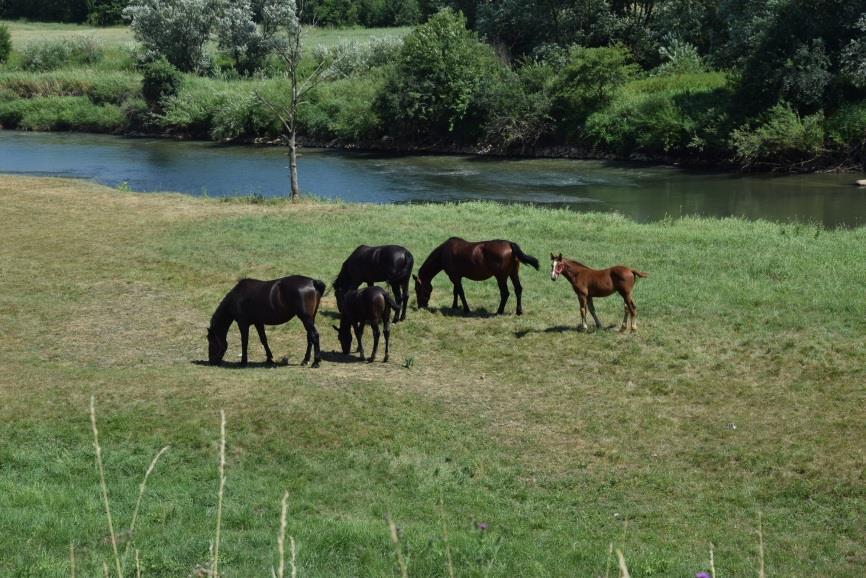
<point x="741" y="393"/>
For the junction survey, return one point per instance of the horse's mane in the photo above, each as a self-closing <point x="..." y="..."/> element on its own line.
<point x="577" y="263"/>
<point x="433" y="261"/>
<point x="221" y="314"/>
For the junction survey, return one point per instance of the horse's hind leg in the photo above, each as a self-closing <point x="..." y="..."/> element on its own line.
<point x="260" y="328"/>
<point x="625" y="317"/>
<point x="503" y="294"/>
<point x="518" y="290"/>
<point x="405" y="299"/>
<point x="245" y="339"/>
<point x="598" y="324"/>
<point x="398" y="297"/>
<point x="633" y="311"/>
<point x="374" y="325"/>
<point x="387" y="332"/>
<point x="312" y="341"/>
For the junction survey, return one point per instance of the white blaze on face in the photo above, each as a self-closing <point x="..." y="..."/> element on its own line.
<point x="555" y="269"/>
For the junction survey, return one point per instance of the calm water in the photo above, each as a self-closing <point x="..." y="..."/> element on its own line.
<point x="645" y="193"/>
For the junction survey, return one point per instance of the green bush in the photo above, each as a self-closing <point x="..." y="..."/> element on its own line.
<point x="343" y="110"/>
<point x="192" y="110"/>
<point x="53" y="54"/>
<point x="436" y="81"/>
<point x="101" y="87"/>
<point x="159" y="82"/>
<point x="61" y="113"/>
<point x="587" y="83"/>
<point x="684" y="115"/>
<point x="5" y="43"/>
<point x="846" y="131"/>
<point x="782" y="139"/>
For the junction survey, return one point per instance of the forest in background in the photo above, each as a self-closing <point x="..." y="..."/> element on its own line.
<point x="777" y="84"/>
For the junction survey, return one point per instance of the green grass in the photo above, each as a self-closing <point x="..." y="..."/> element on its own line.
<point x="120" y="36"/>
<point x="742" y="393"/>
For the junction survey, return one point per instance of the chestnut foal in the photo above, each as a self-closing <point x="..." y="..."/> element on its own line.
<point x="589" y="283"/>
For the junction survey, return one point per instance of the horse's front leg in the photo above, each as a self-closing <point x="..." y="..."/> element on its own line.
<point x="458" y="286"/>
<point x="456" y="294"/>
<point x="503" y="294"/>
<point x="582" y="299"/>
<point x="260" y="328"/>
<point x="387" y="332"/>
<point x="359" y="334"/>
<point x="245" y="338"/>
<point x="598" y="324"/>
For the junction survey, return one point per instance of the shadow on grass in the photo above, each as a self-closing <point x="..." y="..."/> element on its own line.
<point x="337" y="357"/>
<point x="481" y="312"/>
<point x="561" y="329"/>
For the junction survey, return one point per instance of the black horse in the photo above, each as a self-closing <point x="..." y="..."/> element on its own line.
<point x="362" y="306"/>
<point x="390" y="263"/>
<point x="260" y="303"/>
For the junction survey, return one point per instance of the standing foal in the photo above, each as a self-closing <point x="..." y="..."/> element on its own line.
<point x="589" y="283"/>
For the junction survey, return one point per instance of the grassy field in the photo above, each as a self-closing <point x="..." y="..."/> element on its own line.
<point x="120" y="36"/>
<point x="743" y="392"/>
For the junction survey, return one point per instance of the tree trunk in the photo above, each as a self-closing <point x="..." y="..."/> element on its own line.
<point x="293" y="165"/>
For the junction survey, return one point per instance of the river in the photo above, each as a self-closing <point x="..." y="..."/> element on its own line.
<point x="642" y="192"/>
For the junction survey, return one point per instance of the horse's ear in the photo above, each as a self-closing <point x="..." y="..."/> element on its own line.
<point x="560" y="257"/>
<point x="415" y="277"/>
<point x="337" y="329"/>
<point x="552" y="257"/>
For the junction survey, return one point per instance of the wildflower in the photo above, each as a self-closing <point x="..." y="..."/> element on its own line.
<point x="702" y="575"/>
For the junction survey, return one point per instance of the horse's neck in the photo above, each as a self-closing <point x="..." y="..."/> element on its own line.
<point x="222" y="318"/>
<point x="573" y="270"/>
<point x="432" y="265"/>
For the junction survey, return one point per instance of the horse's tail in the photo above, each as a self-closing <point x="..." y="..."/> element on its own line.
<point x="523" y="257"/>
<point x="637" y="273"/>
<point x="392" y="303"/>
<point x="320" y="287"/>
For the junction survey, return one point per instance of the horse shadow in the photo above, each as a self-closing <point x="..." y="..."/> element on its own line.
<point x="520" y="334"/>
<point x="339" y="357"/>
<point x="480" y="313"/>
<point x="250" y="364"/>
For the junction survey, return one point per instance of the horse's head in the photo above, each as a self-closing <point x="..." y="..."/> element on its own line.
<point x="423" y="289"/>
<point x="557" y="264"/>
<point x="216" y="347"/>
<point x="345" y="335"/>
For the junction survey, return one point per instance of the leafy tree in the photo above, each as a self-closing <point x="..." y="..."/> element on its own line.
<point x="249" y="44"/>
<point x="175" y="29"/>
<point x="854" y="56"/>
<point x="160" y="80"/>
<point x="285" y="17"/>
<point x="436" y="80"/>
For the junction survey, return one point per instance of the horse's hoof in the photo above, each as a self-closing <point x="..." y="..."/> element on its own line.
<point x="243" y="363"/>
<point x="305" y="362"/>
<point x="370" y="359"/>
<point x="385" y="359"/>
<point x="315" y="364"/>
<point x="269" y="361"/>
<point x="520" y="311"/>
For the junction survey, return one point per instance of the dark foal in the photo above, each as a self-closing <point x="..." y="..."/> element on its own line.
<point x="361" y="306"/>
<point x="589" y="283"/>
<point x="260" y="303"/>
<point x="390" y="263"/>
<point x="476" y="261"/>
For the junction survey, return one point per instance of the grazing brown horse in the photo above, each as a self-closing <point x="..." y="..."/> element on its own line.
<point x="589" y="283"/>
<point x="390" y="263"/>
<point x="370" y="305"/>
<point x="476" y="261"/>
<point x="260" y="303"/>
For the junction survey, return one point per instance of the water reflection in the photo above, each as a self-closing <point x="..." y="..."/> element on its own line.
<point x="643" y="192"/>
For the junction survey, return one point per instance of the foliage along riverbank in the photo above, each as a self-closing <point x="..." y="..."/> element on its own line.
<point x="535" y="447"/>
<point x="439" y="88"/>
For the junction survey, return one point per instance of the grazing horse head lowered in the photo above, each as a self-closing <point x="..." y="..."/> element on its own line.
<point x="260" y="303"/>
<point x="476" y="261"/>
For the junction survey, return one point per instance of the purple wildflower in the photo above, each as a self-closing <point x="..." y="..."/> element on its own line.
<point x="481" y="526"/>
<point x="702" y="575"/>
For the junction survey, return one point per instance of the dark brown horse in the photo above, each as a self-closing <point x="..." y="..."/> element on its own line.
<point x="370" y="305"/>
<point x="476" y="261"/>
<point x="390" y="263"/>
<point x="260" y="303"/>
<point x="589" y="283"/>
